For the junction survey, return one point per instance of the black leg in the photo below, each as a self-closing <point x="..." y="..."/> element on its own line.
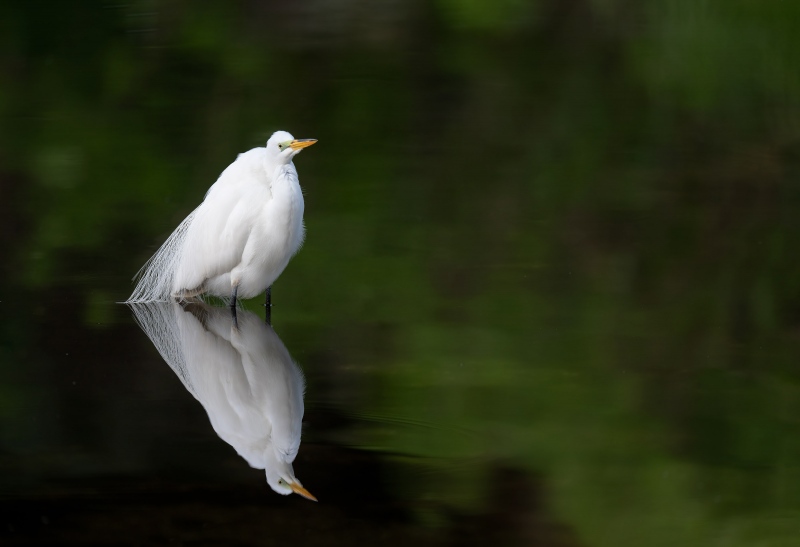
<point x="233" y="307"/>
<point x="233" y="296"/>
<point x="268" y="306"/>
<point x="234" y="318"/>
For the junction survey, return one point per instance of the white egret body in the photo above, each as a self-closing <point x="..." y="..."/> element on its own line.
<point x="243" y="376"/>
<point x="240" y="239"/>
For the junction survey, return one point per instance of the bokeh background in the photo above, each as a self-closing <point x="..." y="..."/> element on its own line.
<point x="549" y="294"/>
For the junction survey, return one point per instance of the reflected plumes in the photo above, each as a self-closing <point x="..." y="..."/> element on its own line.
<point x="243" y="376"/>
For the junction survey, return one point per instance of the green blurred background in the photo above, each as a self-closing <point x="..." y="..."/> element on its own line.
<point x="549" y="292"/>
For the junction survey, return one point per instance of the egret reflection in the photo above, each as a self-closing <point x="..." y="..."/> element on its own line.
<point x="243" y="376"/>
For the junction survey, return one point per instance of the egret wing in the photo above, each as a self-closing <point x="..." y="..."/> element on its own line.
<point x="216" y="238"/>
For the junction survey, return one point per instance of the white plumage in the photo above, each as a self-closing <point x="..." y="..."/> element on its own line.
<point x="240" y="239"/>
<point x="242" y="374"/>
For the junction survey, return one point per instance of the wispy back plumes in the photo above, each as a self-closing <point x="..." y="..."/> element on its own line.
<point x="159" y="322"/>
<point x="156" y="278"/>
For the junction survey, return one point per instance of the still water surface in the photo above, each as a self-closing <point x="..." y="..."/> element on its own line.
<point x="549" y="294"/>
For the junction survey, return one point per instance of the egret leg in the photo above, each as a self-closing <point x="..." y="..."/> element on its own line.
<point x="233" y="296"/>
<point x="268" y="306"/>
<point x="233" y="307"/>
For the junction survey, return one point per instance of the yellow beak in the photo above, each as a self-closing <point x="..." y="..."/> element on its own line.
<point x="296" y="488"/>
<point x="299" y="144"/>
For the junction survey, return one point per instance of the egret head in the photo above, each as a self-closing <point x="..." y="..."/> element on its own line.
<point x="282" y="146"/>
<point x="280" y="477"/>
<point x="283" y="481"/>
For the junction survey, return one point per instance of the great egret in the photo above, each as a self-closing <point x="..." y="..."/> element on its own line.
<point x="243" y="376"/>
<point x="240" y="239"/>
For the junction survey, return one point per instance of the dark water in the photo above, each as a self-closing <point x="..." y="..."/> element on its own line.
<point x="549" y="294"/>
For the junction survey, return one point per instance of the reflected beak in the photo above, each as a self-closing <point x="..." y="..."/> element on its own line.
<point x="296" y="488"/>
<point x="299" y="144"/>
